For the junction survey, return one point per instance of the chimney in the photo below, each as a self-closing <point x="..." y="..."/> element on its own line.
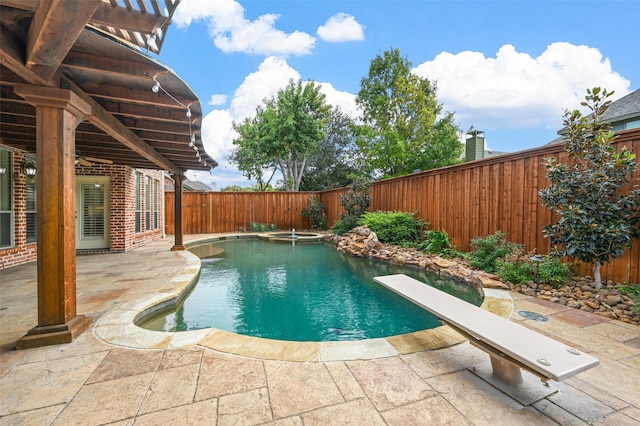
<point x="474" y="145"/>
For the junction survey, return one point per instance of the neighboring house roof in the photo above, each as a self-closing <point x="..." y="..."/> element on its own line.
<point x="623" y="114"/>
<point x="195" y="185"/>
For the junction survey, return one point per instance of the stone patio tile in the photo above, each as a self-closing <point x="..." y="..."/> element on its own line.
<point x="84" y="344"/>
<point x="604" y="396"/>
<point x="583" y="339"/>
<point x="443" y="361"/>
<point x="181" y="356"/>
<point x="10" y="358"/>
<point x="245" y="408"/>
<point x="482" y="403"/>
<point x="337" y="351"/>
<point x="579" y="403"/>
<point x="185" y="338"/>
<point x="380" y="348"/>
<point x="539" y="306"/>
<point x="424" y="340"/>
<point x="106" y="402"/>
<point x="624" y="379"/>
<point x="295" y="387"/>
<point x="125" y="362"/>
<point x="171" y="387"/>
<point x="614" y="330"/>
<point x="580" y="318"/>
<point x="224" y="375"/>
<point x="39" y="417"/>
<point x="633" y="362"/>
<point x="390" y="382"/>
<point x="617" y="419"/>
<point x="103" y="296"/>
<point x="558" y="414"/>
<point x="36" y="385"/>
<point x="256" y="347"/>
<point x="348" y="385"/>
<point x="431" y="411"/>
<point x="357" y="412"/>
<point x="289" y="421"/>
<point x="202" y="413"/>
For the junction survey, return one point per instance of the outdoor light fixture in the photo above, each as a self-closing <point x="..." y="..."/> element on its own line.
<point x="538" y="258"/>
<point x="3" y="170"/>
<point x="192" y="141"/>
<point x="156" y="87"/>
<point x="188" y="112"/>
<point x="28" y="168"/>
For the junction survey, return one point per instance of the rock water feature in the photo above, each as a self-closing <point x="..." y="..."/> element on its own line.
<point x="579" y="293"/>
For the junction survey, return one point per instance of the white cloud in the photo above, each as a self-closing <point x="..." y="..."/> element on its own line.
<point x="218" y="100"/>
<point x="232" y="32"/>
<point x="341" y="27"/>
<point x="516" y="90"/>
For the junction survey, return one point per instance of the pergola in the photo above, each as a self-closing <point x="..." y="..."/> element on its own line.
<point x="76" y="82"/>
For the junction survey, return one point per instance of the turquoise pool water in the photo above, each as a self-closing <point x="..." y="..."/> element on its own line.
<point x="302" y="292"/>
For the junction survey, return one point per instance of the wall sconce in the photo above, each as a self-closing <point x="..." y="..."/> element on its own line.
<point x="3" y="170"/>
<point x="28" y="168"/>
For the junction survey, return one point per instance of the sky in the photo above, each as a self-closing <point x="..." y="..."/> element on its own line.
<point x="508" y="68"/>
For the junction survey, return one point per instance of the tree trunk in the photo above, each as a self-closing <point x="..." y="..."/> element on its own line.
<point x="596" y="275"/>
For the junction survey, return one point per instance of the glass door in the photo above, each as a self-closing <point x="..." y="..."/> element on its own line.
<point x="92" y="217"/>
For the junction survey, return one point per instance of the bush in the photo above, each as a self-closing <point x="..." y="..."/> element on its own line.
<point x="315" y="213"/>
<point x="552" y="270"/>
<point x="397" y="228"/>
<point x="355" y="203"/>
<point x="262" y="227"/>
<point x="486" y="251"/>
<point x="437" y="242"/>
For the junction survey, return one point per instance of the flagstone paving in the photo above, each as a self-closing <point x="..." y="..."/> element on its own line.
<point x="118" y="374"/>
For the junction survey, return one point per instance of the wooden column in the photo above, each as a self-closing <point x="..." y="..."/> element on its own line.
<point x="58" y="113"/>
<point x="177" y="206"/>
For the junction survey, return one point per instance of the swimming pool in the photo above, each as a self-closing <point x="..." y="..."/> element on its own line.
<point x="303" y="292"/>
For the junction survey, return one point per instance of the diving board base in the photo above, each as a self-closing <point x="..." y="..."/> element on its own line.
<point x="530" y="391"/>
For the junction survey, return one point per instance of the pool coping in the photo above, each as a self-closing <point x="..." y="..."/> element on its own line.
<point x="117" y="327"/>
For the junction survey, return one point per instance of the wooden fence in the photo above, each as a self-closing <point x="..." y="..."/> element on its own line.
<point x="467" y="200"/>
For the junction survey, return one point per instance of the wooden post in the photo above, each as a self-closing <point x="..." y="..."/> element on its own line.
<point x="58" y="113"/>
<point x="177" y="206"/>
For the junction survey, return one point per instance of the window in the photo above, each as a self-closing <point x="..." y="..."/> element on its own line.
<point x="156" y="183"/>
<point x="31" y="206"/>
<point x="147" y="204"/>
<point x="138" y="202"/>
<point x="6" y="198"/>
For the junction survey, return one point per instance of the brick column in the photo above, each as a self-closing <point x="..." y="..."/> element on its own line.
<point x="58" y="113"/>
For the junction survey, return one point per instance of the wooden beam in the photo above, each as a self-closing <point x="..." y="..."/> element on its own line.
<point x="130" y="20"/>
<point x="54" y="30"/>
<point x="12" y="57"/>
<point x="106" y="122"/>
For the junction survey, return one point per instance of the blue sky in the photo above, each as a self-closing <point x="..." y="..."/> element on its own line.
<point x="506" y="67"/>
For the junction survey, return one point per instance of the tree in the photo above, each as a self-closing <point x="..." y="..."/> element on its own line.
<point x="404" y="126"/>
<point x="597" y="221"/>
<point x="248" y="154"/>
<point x="285" y="130"/>
<point x="332" y="164"/>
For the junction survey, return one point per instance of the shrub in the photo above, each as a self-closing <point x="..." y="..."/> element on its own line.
<point x="437" y="242"/>
<point x="398" y="228"/>
<point x="355" y="203"/>
<point x="262" y="227"/>
<point x="486" y="251"/>
<point x="552" y="270"/>
<point x="315" y="213"/>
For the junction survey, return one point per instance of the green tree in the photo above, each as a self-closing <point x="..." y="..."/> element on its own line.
<point x="249" y="156"/>
<point x="596" y="221"/>
<point x="404" y="127"/>
<point x="332" y="164"/>
<point x="284" y="131"/>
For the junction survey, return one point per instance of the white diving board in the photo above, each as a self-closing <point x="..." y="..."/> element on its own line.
<point x="511" y="346"/>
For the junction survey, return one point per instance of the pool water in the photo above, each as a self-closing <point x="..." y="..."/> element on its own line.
<point x="301" y="292"/>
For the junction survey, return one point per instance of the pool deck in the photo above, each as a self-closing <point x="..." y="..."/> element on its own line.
<point x="117" y="373"/>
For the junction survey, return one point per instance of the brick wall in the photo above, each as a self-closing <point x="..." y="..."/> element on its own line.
<point x="123" y="235"/>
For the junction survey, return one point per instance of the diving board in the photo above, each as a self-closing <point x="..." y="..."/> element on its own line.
<point x="511" y="346"/>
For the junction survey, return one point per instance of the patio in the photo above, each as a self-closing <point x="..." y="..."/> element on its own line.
<point x="182" y="382"/>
